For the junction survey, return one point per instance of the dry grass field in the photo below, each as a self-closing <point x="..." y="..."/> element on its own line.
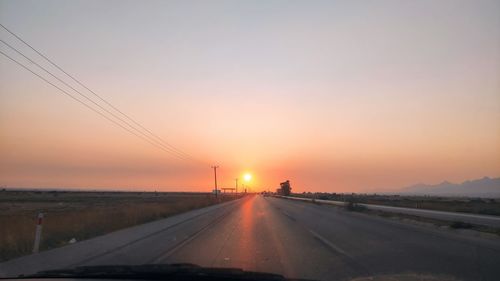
<point x="82" y="215"/>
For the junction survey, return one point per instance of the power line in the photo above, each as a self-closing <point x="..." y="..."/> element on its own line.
<point x="95" y="94"/>
<point x="83" y="103"/>
<point x="86" y="97"/>
<point x="171" y="147"/>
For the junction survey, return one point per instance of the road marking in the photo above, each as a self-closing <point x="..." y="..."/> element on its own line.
<point x="288" y="216"/>
<point x="358" y="267"/>
<point x="189" y="238"/>
<point x="329" y="244"/>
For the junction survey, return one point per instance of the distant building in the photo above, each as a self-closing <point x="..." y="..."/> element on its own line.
<point x="285" y="188"/>
<point x="228" y="189"/>
<point x="216" y="191"/>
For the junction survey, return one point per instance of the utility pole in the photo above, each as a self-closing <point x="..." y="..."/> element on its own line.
<point x="236" y="179"/>
<point x="215" y="175"/>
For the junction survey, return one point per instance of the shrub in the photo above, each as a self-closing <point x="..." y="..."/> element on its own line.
<point x="354" y="206"/>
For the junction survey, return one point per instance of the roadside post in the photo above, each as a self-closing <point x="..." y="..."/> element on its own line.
<point x="38" y="233"/>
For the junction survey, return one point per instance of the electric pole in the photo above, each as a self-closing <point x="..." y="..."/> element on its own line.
<point x="215" y="175"/>
<point x="236" y="179"/>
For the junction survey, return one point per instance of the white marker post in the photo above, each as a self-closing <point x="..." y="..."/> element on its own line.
<point x="38" y="233"/>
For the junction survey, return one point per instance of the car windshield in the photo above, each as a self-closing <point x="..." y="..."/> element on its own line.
<point x="252" y="140"/>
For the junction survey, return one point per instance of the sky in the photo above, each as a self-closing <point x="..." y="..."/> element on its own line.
<point x="335" y="96"/>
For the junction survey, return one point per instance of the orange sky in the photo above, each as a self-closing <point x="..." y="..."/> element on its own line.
<point x="373" y="98"/>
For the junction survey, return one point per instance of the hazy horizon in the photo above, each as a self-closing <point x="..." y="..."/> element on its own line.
<point x="334" y="96"/>
<point x="397" y="190"/>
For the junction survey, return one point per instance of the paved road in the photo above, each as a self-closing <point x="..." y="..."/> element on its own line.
<point x="293" y="238"/>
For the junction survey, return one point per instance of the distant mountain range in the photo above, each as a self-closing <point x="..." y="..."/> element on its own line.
<point x="485" y="187"/>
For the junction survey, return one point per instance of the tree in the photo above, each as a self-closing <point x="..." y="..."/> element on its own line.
<point x="286" y="190"/>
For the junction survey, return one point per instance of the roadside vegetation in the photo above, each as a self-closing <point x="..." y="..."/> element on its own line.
<point x="83" y="215"/>
<point x="353" y="204"/>
<point x="485" y="206"/>
<point x="452" y="225"/>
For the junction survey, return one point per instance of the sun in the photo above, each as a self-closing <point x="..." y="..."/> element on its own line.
<point x="247" y="177"/>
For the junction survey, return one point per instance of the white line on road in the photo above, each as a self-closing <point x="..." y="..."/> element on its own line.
<point x="190" y="238"/>
<point x="329" y="244"/>
<point x="288" y="216"/>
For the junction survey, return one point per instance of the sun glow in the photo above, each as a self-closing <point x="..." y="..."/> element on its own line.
<point x="247" y="177"/>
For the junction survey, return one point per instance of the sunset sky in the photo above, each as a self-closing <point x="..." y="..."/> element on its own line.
<point x="338" y="96"/>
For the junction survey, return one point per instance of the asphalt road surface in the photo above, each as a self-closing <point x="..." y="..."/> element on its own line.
<point x="293" y="238"/>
